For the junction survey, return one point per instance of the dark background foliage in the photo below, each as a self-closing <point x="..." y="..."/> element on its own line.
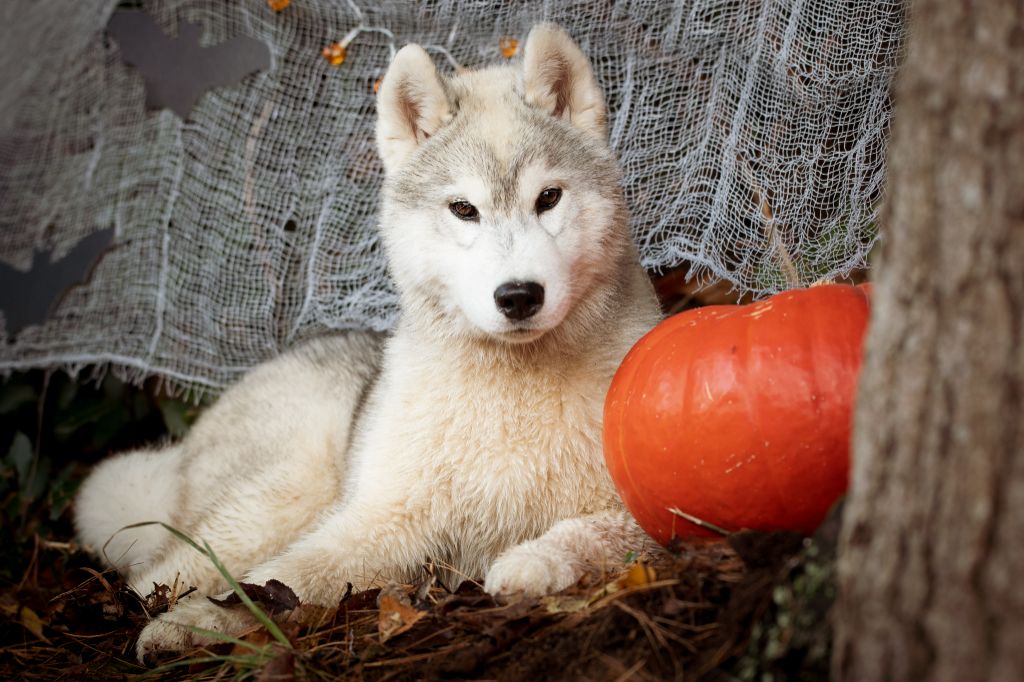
<point x="52" y="428"/>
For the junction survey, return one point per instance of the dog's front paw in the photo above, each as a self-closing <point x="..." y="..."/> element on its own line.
<point x="525" y="571"/>
<point x="177" y="630"/>
<point x="159" y="636"/>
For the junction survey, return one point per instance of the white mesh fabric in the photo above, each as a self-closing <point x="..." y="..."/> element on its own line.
<point x="752" y="135"/>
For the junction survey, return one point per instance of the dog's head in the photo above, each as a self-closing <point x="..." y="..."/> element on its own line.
<point x="502" y="210"/>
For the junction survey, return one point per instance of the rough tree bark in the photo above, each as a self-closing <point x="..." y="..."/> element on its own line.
<point x="931" y="565"/>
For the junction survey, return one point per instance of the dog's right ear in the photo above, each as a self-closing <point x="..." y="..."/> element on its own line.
<point x="411" y="106"/>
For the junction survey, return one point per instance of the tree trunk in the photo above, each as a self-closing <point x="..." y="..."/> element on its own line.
<point x="931" y="567"/>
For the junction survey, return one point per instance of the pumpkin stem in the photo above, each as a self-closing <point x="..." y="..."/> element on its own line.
<point x="698" y="522"/>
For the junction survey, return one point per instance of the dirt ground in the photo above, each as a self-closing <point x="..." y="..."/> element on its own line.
<point x="738" y="609"/>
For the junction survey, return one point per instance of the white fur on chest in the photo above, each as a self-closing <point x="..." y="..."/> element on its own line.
<point x="492" y="455"/>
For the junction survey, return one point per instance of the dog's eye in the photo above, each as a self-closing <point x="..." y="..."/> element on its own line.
<point x="463" y="210"/>
<point x="548" y="198"/>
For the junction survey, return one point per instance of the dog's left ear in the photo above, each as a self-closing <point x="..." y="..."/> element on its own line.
<point x="558" y="79"/>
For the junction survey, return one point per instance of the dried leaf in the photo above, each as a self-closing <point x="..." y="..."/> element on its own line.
<point x="281" y="668"/>
<point x="554" y="604"/>
<point x="31" y="622"/>
<point x="639" y="574"/>
<point x="274" y="595"/>
<point x="278" y="5"/>
<point x="396" y="615"/>
<point x="8" y="605"/>
<point x="312" y="616"/>
<point x="360" y="601"/>
<point x="421" y="596"/>
<point x="258" y="637"/>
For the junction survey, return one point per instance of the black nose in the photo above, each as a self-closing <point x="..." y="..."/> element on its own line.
<point x="519" y="300"/>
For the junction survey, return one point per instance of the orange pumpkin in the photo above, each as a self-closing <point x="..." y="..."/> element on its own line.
<point x="738" y="416"/>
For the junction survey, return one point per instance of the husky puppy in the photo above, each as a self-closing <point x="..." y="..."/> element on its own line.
<point x="471" y="436"/>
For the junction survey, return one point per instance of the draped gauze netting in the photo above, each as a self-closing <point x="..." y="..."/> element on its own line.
<point x="752" y="137"/>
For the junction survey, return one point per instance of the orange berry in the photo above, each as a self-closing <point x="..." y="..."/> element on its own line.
<point x="334" y="54"/>
<point x="508" y="46"/>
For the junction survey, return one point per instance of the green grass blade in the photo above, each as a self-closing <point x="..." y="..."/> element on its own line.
<point x="261" y="616"/>
<point x="208" y="552"/>
<point x="171" y="529"/>
<point x="249" y="661"/>
<point x="224" y="637"/>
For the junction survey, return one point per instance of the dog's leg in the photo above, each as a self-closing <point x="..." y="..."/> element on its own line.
<point x="562" y="555"/>
<point x="357" y="544"/>
<point x="252" y="475"/>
